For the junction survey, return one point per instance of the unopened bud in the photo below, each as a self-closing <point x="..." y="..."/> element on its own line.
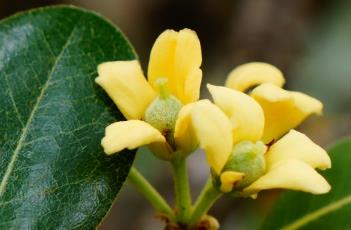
<point x="209" y="223"/>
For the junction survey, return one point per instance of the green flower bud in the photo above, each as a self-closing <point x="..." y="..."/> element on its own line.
<point x="163" y="111"/>
<point x="248" y="158"/>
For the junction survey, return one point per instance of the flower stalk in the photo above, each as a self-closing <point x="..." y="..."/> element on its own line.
<point x="150" y="193"/>
<point x="208" y="196"/>
<point x="182" y="191"/>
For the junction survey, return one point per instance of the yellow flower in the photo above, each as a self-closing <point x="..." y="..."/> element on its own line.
<point x="238" y="123"/>
<point x="175" y="58"/>
<point x="205" y="124"/>
<point x="283" y="110"/>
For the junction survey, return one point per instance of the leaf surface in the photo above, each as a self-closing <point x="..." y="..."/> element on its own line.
<point x="296" y="210"/>
<point x="53" y="172"/>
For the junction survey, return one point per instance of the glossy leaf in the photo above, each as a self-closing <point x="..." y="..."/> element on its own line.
<point x="296" y="210"/>
<point x="53" y="172"/>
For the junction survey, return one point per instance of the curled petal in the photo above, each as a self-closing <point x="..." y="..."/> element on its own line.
<point x="228" y="180"/>
<point x="187" y="62"/>
<point x="291" y="174"/>
<point x="184" y="133"/>
<point x="192" y="85"/>
<point x="161" y="61"/>
<point x="177" y="57"/>
<point x="283" y="110"/>
<point x="125" y="83"/>
<point x="245" y="114"/>
<point x="296" y="145"/>
<point x="213" y="131"/>
<point x="251" y="74"/>
<point x="209" y="127"/>
<point x="129" y="134"/>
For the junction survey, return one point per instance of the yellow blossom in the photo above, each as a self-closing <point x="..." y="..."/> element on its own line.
<point x="176" y="58"/>
<point x="291" y="159"/>
<point x="283" y="110"/>
<point x="250" y="74"/>
<point x="248" y="139"/>
<point x="267" y="115"/>
<point x="205" y="124"/>
<point x="247" y="132"/>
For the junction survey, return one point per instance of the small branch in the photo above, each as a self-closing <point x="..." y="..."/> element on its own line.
<point x="150" y="193"/>
<point x="208" y="196"/>
<point x="182" y="192"/>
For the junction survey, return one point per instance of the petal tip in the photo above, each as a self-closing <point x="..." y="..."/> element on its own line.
<point x="325" y="188"/>
<point x="209" y="85"/>
<point x="98" y="80"/>
<point x="254" y="73"/>
<point x="106" y="147"/>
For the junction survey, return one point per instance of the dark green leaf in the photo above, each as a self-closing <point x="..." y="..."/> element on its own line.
<point x="331" y="211"/>
<point x="53" y="172"/>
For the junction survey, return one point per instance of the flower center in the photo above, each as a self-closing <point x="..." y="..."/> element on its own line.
<point x="248" y="158"/>
<point x="163" y="111"/>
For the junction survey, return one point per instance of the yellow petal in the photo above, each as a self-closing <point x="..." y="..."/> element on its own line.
<point x="161" y="63"/>
<point x="209" y="127"/>
<point x="291" y="174"/>
<point x="228" y="180"/>
<point x="244" y="112"/>
<point x="296" y="145"/>
<point x="214" y="133"/>
<point x="192" y="86"/>
<point x="184" y="134"/>
<point x="177" y="57"/>
<point x="124" y="82"/>
<point x="129" y="134"/>
<point x="251" y="74"/>
<point x="161" y="150"/>
<point x="187" y="62"/>
<point x="283" y="110"/>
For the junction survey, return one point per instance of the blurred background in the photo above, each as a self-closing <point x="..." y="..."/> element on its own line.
<point x="309" y="40"/>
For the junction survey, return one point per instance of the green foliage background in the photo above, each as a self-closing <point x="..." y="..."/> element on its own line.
<point x="53" y="171"/>
<point x="329" y="211"/>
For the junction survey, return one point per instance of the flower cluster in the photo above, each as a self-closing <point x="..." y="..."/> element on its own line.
<point x="247" y="132"/>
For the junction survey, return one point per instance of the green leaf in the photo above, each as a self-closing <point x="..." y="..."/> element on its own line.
<point x="295" y="210"/>
<point x="53" y="172"/>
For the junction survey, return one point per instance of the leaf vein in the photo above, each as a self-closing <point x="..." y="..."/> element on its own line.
<point x="18" y="115"/>
<point x="23" y="136"/>
<point x="318" y="213"/>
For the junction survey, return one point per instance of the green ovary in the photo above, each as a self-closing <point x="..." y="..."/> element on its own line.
<point x="162" y="114"/>
<point x="248" y="158"/>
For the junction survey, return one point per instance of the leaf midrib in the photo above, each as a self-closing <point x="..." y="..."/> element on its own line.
<point x="24" y="132"/>
<point x="318" y="213"/>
